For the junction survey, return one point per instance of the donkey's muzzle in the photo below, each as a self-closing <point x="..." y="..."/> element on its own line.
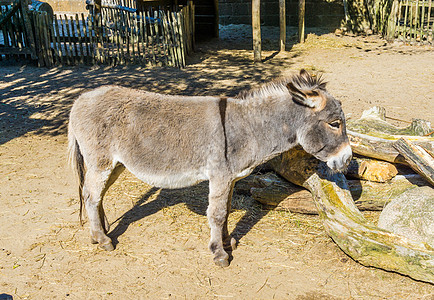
<point x="341" y="160"/>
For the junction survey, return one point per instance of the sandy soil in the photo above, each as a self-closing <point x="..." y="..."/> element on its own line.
<point x="162" y="235"/>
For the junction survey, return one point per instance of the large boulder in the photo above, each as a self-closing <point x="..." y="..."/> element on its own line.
<point x="411" y="215"/>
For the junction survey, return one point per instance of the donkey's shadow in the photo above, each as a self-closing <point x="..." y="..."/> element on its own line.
<point x="194" y="197"/>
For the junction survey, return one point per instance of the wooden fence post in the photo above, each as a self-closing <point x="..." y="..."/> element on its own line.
<point x="256" y="26"/>
<point x="282" y="19"/>
<point x="301" y="14"/>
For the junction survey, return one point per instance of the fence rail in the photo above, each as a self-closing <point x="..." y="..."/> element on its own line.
<point x="114" y="36"/>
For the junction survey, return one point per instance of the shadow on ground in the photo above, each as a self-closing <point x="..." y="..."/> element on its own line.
<point x="195" y="199"/>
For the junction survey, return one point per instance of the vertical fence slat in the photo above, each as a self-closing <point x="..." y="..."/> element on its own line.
<point x="145" y="50"/>
<point x="57" y="48"/>
<point x="167" y="39"/>
<point x="80" y="56"/>
<point x="51" y="41"/>
<point x="151" y="37"/>
<point x="430" y="31"/>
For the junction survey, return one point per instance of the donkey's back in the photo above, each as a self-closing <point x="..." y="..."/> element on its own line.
<point x="166" y="141"/>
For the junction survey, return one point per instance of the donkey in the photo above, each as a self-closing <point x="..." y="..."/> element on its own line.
<point x="178" y="141"/>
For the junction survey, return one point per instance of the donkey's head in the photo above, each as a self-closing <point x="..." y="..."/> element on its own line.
<point x="321" y="131"/>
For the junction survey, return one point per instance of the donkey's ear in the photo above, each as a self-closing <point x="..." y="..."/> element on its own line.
<point x="307" y="98"/>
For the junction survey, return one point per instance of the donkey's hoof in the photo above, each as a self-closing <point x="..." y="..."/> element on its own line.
<point x="221" y="262"/>
<point x="107" y="246"/>
<point x="93" y="241"/>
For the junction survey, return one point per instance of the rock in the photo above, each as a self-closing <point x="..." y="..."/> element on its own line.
<point x="411" y="215"/>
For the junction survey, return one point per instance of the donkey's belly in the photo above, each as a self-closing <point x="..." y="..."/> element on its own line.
<point x="170" y="180"/>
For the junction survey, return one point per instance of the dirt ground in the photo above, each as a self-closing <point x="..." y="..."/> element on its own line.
<point x="161" y="236"/>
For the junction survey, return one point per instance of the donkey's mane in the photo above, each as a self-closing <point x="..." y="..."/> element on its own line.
<point x="302" y="81"/>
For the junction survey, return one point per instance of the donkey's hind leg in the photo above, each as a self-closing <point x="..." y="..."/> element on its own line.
<point x="220" y="195"/>
<point x="112" y="178"/>
<point x="95" y="185"/>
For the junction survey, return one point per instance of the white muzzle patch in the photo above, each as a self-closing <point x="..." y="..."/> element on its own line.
<point x="340" y="160"/>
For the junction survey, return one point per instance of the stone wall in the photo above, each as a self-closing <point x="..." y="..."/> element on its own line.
<point x="319" y="13"/>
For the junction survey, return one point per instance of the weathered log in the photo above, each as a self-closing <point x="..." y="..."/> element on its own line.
<point x="372" y="170"/>
<point x="372" y="136"/>
<point x="357" y="237"/>
<point x="273" y="191"/>
<point x="382" y="148"/>
<point x="373" y="122"/>
<point x="419" y="159"/>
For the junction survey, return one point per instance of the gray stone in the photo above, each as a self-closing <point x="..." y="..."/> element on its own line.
<point x="411" y="215"/>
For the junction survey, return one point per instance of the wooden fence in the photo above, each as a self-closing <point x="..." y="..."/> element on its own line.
<point x="114" y="36"/>
<point x="16" y="34"/>
<point x="412" y="21"/>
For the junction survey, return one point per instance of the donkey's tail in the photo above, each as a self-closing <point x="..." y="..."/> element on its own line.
<point x="77" y="162"/>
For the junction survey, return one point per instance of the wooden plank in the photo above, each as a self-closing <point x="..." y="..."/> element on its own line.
<point x="56" y="39"/>
<point x="59" y="44"/>
<point x="29" y="31"/>
<point x="405" y="20"/>
<point x="80" y="47"/>
<point x="136" y="39"/>
<point x="85" y="41"/>
<point x="68" y="44"/>
<point x="157" y="39"/>
<point x="181" y="31"/>
<point x="89" y="30"/>
<point x="139" y="33"/>
<point x="418" y="159"/>
<point x="144" y="37"/>
<point x="430" y="31"/>
<point x="160" y="43"/>
<point x="173" y="38"/>
<point x="38" y="39"/>
<point x="121" y="30"/>
<point x="132" y="28"/>
<point x="168" y="39"/>
<point x="301" y="18"/>
<point x="256" y="27"/>
<point x="151" y="38"/>
<point x="46" y="38"/>
<point x="115" y="16"/>
<point x="178" y="40"/>
<point x="282" y="23"/>
<point x="51" y="41"/>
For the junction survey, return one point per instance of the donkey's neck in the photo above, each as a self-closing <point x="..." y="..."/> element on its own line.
<point x="258" y="128"/>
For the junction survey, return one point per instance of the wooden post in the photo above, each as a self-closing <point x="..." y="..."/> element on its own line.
<point x="301" y="13"/>
<point x="282" y="18"/>
<point x="256" y="26"/>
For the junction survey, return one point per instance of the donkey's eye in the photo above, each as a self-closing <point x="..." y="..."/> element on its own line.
<point x="335" y="124"/>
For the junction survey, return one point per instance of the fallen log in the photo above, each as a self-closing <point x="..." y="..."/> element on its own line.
<point x="372" y="136"/>
<point x="280" y="194"/>
<point x="372" y="170"/>
<point x="381" y="148"/>
<point x="357" y="237"/>
<point x="420" y="160"/>
<point x="373" y="122"/>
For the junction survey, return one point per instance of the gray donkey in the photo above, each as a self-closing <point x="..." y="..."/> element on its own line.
<point x="178" y="141"/>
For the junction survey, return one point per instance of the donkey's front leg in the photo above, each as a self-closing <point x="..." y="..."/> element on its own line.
<point x="220" y="195"/>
